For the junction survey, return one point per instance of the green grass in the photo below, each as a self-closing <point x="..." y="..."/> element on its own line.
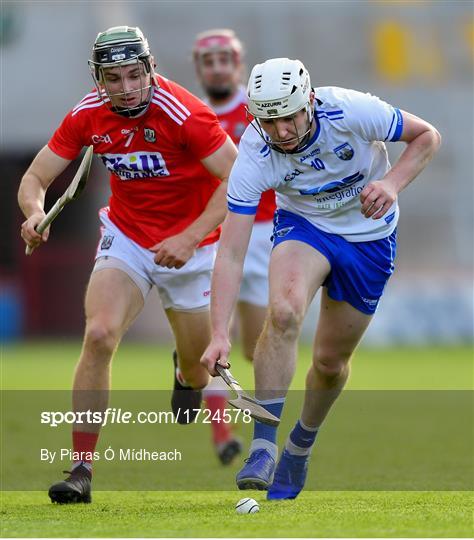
<point x="50" y="365"/>
<point x="210" y="514"/>
<point x="43" y="365"/>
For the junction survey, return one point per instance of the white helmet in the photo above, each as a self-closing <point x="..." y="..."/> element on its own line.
<point x="278" y="87"/>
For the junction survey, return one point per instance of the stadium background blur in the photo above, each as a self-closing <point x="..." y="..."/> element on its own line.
<point x="417" y="56"/>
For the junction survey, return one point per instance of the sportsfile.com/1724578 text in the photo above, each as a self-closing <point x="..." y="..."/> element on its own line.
<point x="114" y="415"/>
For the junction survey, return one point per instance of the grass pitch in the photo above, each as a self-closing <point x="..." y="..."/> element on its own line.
<point x="50" y="366"/>
<point x="212" y="514"/>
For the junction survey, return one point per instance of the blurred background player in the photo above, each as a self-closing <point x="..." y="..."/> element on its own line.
<point x="218" y="59"/>
<point x="168" y="185"/>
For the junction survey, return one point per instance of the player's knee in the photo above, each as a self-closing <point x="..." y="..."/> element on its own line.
<point x="286" y="316"/>
<point x="329" y="364"/>
<point x="101" y="337"/>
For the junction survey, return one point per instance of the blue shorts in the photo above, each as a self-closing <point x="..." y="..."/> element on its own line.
<point x="359" y="270"/>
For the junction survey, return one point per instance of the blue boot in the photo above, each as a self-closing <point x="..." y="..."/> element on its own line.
<point x="257" y="473"/>
<point x="290" y="476"/>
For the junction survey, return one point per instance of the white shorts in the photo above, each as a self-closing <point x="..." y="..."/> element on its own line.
<point x="184" y="289"/>
<point x="254" y="287"/>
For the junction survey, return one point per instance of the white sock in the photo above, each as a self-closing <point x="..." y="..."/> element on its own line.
<point x="271" y="448"/>
<point x="85" y="464"/>
<point x="216" y="387"/>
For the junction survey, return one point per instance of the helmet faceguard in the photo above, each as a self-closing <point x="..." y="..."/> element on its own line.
<point x="219" y="41"/>
<point x="280" y="88"/>
<point x="119" y="47"/>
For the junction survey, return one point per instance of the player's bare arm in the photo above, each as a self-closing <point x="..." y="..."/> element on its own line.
<point x="40" y="174"/>
<point x="175" y="251"/>
<point x="423" y="141"/>
<point x="225" y="286"/>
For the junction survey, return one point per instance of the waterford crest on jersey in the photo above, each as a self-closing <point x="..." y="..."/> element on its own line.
<point x="233" y="119"/>
<point x="323" y="182"/>
<point x="159" y="185"/>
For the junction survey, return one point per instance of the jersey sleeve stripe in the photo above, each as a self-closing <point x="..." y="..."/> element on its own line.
<point x="236" y="209"/>
<point x="90" y="98"/>
<point x="170" y="105"/>
<point x="336" y="115"/>
<point x="87" y="102"/>
<point x="391" y="125"/>
<point x="91" y="106"/>
<point x="241" y="200"/>
<point x="167" y="111"/>
<point x="174" y="100"/>
<point x="398" y="126"/>
<point x="86" y="98"/>
<point x="330" y="117"/>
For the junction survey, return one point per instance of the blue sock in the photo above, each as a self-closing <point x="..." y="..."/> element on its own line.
<point x="301" y="439"/>
<point x="264" y="436"/>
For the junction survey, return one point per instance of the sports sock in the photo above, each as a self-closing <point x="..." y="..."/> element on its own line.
<point x="86" y="465"/>
<point x="264" y="436"/>
<point x="84" y="443"/>
<point x="221" y="431"/>
<point x="301" y="439"/>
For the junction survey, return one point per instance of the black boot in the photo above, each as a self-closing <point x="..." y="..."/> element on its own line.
<point x="185" y="402"/>
<point x="75" y="489"/>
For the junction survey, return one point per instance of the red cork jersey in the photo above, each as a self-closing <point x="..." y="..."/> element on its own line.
<point x="159" y="185"/>
<point x="233" y="118"/>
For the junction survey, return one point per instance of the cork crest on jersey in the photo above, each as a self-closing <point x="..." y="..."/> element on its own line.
<point x="149" y="135"/>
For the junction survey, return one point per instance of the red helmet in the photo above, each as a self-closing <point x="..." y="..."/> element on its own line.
<point x="222" y="39"/>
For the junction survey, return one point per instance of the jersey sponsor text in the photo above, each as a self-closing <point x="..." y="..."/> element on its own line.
<point x="136" y="165"/>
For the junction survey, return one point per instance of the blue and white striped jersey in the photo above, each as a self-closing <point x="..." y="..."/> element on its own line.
<point x="323" y="181"/>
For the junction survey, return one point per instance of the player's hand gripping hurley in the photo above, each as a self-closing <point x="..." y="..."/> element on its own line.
<point x="244" y="402"/>
<point x="73" y="191"/>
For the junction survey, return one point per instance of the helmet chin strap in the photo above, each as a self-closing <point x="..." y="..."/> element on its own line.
<point x="302" y="140"/>
<point x="131" y="112"/>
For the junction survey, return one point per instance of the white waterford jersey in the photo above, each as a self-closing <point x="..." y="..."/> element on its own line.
<point x="323" y="181"/>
